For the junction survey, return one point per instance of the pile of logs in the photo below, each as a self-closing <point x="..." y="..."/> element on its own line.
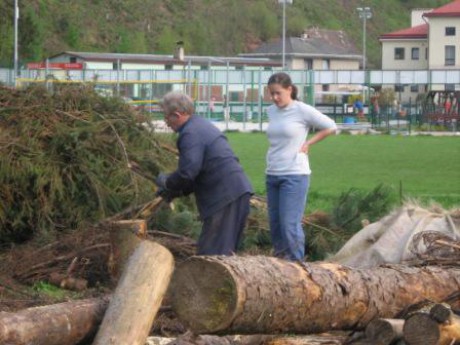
<point x="434" y="324"/>
<point x="248" y="300"/>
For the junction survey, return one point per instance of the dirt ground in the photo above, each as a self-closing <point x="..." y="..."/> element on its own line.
<point x="26" y="269"/>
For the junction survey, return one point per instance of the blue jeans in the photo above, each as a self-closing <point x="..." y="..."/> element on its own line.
<point x="286" y="198"/>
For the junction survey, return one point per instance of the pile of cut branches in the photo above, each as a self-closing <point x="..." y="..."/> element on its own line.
<point x="64" y="159"/>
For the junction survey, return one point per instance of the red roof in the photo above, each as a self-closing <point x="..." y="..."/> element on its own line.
<point x="419" y="31"/>
<point x="452" y="9"/>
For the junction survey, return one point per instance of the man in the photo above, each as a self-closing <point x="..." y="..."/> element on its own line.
<point x="209" y="168"/>
<point x="359" y="107"/>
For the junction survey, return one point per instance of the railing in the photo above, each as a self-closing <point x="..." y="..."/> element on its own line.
<point x="236" y="77"/>
<point x="242" y="94"/>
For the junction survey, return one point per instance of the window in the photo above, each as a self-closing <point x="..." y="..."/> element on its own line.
<point x="308" y="63"/>
<point x="449" y="87"/>
<point x="73" y="59"/>
<point x="450" y="55"/>
<point x="450" y="30"/>
<point x="325" y="87"/>
<point x="268" y="68"/>
<point x="168" y="67"/>
<point x="116" y="65"/>
<point x="415" y="53"/>
<point x="399" y="53"/>
<point x="204" y="67"/>
<point x="399" y="88"/>
<point x="234" y="96"/>
<point x="326" y="64"/>
<point x="158" y="90"/>
<point x="414" y="88"/>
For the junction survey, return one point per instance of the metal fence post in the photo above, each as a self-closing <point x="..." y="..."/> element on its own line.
<point x="244" y="98"/>
<point x="259" y="98"/>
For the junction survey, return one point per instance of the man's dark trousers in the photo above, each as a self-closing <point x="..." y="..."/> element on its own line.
<point x="222" y="230"/>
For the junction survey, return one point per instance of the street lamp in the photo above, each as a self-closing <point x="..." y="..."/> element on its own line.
<point x="284" y="2"/>
<point x="365" y="14"/>
<point x="15" y="62"/>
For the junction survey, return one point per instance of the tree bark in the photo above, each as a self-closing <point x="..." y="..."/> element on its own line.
<point x="268" y="295"/>
<point x="59" y="324"/>
<point x="384" y="331"/>
<point x="125" y="236"/>
<point x="436" y="326"/>
<point x="138" y="296"/>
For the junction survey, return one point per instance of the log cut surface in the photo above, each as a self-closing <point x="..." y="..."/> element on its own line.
<point x="259" y="294"/>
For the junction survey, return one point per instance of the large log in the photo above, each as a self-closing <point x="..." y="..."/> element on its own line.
<point x="267" y="295"/>
<point x="138" y="296"/>
<point x="59" y="324"/>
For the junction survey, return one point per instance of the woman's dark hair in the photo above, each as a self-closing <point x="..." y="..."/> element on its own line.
<point x="285" y="81"/>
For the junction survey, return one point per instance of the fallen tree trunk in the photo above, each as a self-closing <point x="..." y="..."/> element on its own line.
<point x="59" y="324"/>
<point x="268" y="295"/>
<point x="138" y="296"/>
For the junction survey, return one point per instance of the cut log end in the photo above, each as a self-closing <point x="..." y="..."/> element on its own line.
<point x="421" y="329"/>
<point x="384" y="331"/>
<point x="440" y="312"/>
<point x="206" y="303"/>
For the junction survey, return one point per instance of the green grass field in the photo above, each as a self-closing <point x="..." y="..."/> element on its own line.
<point x="422" y="167"/>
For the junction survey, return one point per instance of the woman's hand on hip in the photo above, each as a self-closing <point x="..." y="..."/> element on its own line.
<point x="305" y="147"/>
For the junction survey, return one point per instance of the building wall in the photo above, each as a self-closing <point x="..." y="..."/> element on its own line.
<point x="416" y="16"/>
<point x="99" y="65"/>
<point x="344" y="65"/>
<point x="318" y="64"/>
<point x="297" y="63"/>
<point x="136" y="66"/>
<point x="438" y="40"/>
<point x="388" y="55"/>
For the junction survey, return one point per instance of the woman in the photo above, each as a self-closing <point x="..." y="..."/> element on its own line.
<point x="288" y="170"/>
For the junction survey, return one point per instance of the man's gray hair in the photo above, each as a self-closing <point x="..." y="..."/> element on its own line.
<point x="175" y="101"/>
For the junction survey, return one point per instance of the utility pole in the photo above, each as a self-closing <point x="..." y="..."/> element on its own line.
<point x="16" y="62"/>
<point x="365" y="14"/>
<point x="284" y="30"/>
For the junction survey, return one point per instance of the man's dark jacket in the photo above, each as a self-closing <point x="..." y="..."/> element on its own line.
<point x="208" y="167"/>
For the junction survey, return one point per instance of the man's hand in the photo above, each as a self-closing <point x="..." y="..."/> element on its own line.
<point x="160" y="181"/>
<point x="169" y="195"/>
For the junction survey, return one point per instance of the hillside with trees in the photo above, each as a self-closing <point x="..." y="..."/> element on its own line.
<point x="208" y="27"/>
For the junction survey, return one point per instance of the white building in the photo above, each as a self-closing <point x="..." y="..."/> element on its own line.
<point x="431" y="43"/>
<point x="151" y="75"/>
